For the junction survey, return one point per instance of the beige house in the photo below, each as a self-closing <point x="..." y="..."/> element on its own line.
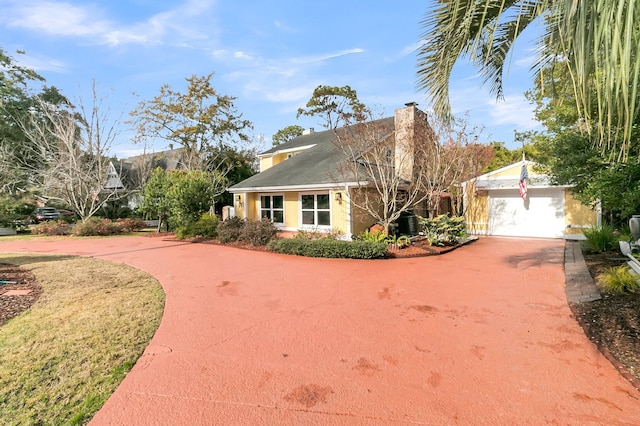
<point x="493" y="206"/>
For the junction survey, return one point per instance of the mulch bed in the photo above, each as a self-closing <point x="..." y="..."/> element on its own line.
<point x="11" y="306"/>
<point x="613" y="323"/>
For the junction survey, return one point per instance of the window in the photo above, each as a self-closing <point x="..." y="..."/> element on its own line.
<point x="272" y="207"/>
<point x="315" y="210"/>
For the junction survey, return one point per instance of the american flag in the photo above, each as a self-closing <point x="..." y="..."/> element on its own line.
<point x="523" y="181"/>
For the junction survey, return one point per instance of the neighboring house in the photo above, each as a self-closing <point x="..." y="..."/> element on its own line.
<point x="129" y="174"/>
<point x="118" y="172"/>
<point x="493" y="206"/>
<point x="303" y="184"/>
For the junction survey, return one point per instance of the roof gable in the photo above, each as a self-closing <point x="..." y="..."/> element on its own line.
<point x="318" y="165"/>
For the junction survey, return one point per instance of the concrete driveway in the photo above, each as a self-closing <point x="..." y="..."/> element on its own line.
<point x="482" y="335"/>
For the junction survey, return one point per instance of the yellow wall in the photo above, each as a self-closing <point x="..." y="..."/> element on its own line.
<point x="278" y="158"/>
<point x="292" y="209"/>
<point x="272" y="160"/>
<point x="291" y="216"/>
<point x="577" y="216"/>
<point x="361" y="220"/>
<point x="339" y="218"/>
<point x="265" y="163"/>
<point x="476" y="210"/>
<point x="238" y="205"/>
<point x="510" y="172"/>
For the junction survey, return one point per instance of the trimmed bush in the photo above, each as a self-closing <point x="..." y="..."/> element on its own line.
<point x="52" y="227"/>
<point x="229" y="230"/>
<point x="258" y="232"/>
<point x="305" y="234"/>
<point x="95" y="226"/>
<point x="619" y="280"/>
<point x="600" y="238"/>
<point x="330" y="248"/>
<point x="130" y="225"/>
<point x="205" y="227"/>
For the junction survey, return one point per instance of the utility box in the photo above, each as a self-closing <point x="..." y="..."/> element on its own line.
<point x="228" y="212"/>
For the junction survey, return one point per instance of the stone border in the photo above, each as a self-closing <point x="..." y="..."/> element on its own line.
<point x="579" y="285"/>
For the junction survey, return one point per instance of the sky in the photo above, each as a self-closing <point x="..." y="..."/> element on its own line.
<point x="269" y="55"/>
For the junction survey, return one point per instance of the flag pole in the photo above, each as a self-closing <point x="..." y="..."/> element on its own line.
<point x="524" y="175"/>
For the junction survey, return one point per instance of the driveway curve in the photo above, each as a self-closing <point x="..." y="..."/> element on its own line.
<point x="481" y="335"/>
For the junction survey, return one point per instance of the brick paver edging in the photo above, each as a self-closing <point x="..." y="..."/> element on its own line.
<point x="579" y="286"/>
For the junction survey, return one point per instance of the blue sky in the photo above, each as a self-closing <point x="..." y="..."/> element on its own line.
<point x="269" y="55"/>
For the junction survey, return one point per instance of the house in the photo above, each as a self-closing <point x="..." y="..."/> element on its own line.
<point x="494" y="206"/>
<point x="304" y="184"/>
<point x="127" y="176"/>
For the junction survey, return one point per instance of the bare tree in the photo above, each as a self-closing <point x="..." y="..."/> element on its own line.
<point x="68" y="158"/>
<point x="399" y="164"/>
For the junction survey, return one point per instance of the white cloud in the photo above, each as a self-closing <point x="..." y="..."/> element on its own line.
<point x="289" y="94"/>
<point x="514" y="111"/>
<point x="41" y="64"/>
<point x="242" y="55"/>
<point x="87" y="21"/>
<point x="408" y="50"/>
<point x="284" y="27"/>
<point x="58" y="18"/>
<point x="526" y="62"/>
<point x="325" y="56"/>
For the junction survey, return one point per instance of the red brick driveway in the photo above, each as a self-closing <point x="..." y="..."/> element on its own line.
<point x="482" y="335"/>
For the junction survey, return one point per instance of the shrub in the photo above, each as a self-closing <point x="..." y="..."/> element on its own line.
<point x="398" y="242"/>
<point x="130" y="225"/>
<point x="374" y="234"/>
<point x="304" y="234"/>
<point x="619" y="280"/>
<point x="443" y="230"/>
<point x="205" y="227"/>
<point x="600" y="238"/>
<point x="258" y="232"/>
<point x="330" y="248"/>
<point x="229" y="230"/>
<point x="96" y="226"/>
<point x="52" y="227"/>
<point x="15" y="212"/>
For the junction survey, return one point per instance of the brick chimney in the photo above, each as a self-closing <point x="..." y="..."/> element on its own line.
<point x="410" y="124"/>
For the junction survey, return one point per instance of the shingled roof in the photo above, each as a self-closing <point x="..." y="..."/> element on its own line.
<point x="318" y="165"/>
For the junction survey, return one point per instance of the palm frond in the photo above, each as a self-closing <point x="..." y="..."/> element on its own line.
<point x="597" y="41"/>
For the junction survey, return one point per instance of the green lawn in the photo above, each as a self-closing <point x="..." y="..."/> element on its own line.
<point x="62" y="359"/>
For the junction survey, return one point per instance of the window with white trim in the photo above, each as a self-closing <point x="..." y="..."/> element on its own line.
<point x="272" y="207"/>
<point x="315" y="209"/>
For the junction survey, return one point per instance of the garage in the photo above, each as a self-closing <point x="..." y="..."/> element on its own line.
<point x="540" y="215"/>
<point x="493" y="206"/>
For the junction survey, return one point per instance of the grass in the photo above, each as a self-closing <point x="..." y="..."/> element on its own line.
<point x="600" y="238"/>
<point x="619" y="280"/>
<point x="62" y="359"/>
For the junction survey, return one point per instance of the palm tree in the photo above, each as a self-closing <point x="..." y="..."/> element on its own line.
<point x="595" y="40"/>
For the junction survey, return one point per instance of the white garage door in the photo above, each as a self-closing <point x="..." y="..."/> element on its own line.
<point x="542" y="215"/>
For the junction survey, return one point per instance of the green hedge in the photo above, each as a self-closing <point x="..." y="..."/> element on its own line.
<point x="330" y="248"/>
